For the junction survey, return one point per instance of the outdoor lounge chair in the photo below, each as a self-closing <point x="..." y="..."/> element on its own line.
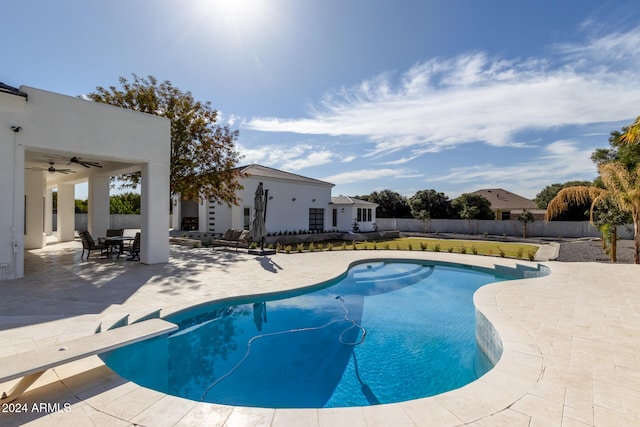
<point x="88" y="244"/>
<point x="233" y="238"/>
<point x="134" y="249"/>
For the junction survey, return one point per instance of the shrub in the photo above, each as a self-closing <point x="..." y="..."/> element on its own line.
<point x="436" y="248"/>
<point x="449" y="249"/>
<point x="287" y="249"/>
<point x="386" y="246"/>
<point x="501" y="252"/>
<point x="474" y="250"/>
<point x="519" y="253"/>
<point x="300" y="247"/>
<point x="344" y="246"/>
<point x="531" y="255"/>
<point x="353" y="245"/>
<point x="423" y="246"/>
<point x="409" y="247"/>
<point x="485" y="234"/>
<point x="375" y="246"/>
<point x="312" y="247"/>
<point x="329" y="246"/>
<point x="463" y="249"/>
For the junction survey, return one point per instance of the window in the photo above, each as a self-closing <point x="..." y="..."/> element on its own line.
<point x="316" y="219"/>
<point x="364" y="214"/>
<point x="247" y="218"/>
<point x="334" y="219"/>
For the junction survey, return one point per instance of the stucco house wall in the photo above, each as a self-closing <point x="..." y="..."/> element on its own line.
<point x="34" y="124"/>
<point x="289" y="199"/>
<point x="347" y="214"/>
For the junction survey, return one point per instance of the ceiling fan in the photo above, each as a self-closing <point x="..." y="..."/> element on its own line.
<point x="52" y="169"/>
<point x="76" y="160"/>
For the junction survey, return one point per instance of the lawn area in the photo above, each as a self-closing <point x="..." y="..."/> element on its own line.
<point x="479" y="247"/>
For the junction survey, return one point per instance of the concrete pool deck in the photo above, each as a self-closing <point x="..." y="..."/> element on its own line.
<point x="571" y="343"/>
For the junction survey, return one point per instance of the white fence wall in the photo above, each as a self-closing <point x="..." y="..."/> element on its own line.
<point x="115" y="221"/>
<point x="551" y="229"/>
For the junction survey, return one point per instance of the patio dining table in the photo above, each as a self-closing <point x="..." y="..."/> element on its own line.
<point x="115" y="244"/>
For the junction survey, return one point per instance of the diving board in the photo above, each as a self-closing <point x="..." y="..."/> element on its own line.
<point x="30" y="365"/>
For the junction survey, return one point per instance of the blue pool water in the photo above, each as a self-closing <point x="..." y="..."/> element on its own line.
<point x="385" y="332"/>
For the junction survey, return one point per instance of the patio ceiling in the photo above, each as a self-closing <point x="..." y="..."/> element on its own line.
<point x="41" y="160"/>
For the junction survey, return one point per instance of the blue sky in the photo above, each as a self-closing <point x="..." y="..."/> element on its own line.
<point x="407" y="95"/>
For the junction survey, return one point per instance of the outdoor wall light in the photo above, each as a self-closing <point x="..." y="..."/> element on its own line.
<point x="313" y="200"/>
<point x="270" y="197"/>
<point x="293" y="199"/>
<point x="16" y="129"/>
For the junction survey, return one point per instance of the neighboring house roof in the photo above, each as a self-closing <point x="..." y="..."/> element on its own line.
<point x="11" y="90"/>
<point x="267" y="172"/>
<point x="346" y="200"/>
<point x="503" y="200"/>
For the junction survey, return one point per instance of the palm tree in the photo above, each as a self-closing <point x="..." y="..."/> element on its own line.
<point x="632" y="133"/>
<point x="621" y="186"/>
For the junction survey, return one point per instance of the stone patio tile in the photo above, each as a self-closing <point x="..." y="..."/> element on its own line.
<point x="339" y="417"/>
<point x="205" y="414"/>
<point x="165" y="412"/>
<point x="295" y="417"/>
<point x="250" y="417"/>
<point x="428" y="412"/>
<point x="541" y="411"/>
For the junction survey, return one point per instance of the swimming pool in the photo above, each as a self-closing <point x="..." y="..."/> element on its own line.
<point x="384" y="332"/>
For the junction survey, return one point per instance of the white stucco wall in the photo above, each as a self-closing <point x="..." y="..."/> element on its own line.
<point x="62" y="124"/>
<point x="283" y="212"/>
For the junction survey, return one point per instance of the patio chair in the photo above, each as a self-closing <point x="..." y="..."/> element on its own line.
<point x="134" y="249"/>
<point x="88" y="244"/>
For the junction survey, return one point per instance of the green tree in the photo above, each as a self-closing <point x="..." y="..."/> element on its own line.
<point x="607" y="216"/>
<point x="472" y="207"/>
<point x="82" y="206"/>
<point x="390" y="204"/>
<point x="435" y="204"/>
<point x="125" y="204"/>
<point x="525" y="217"/>
<point x="203" y="156"/>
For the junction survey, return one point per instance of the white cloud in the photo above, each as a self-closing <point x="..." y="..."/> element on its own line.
<point x="364" y="175"/>
<point x="445" y="102"/>
<point x="287" y="157"/>
<point x="561" y="161"/>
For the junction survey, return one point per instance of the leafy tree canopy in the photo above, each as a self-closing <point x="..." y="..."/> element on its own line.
<point x="203" y="156"/>
<point x="391" y="204"/>
<point x="472" y="206"/>
<point x="125" y="204"/>
<point x="430" y="203"/>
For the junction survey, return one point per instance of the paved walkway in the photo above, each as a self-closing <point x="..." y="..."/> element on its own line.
<point x="571" y="342"/>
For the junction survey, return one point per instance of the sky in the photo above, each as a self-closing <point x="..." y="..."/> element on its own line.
<point x="406" y="95"/>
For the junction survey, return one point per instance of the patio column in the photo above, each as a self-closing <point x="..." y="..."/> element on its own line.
<point x="48" y="212"/>
<point x="98" y="221"/>
<point x="35" y="185"/>
<point x="66" y="212"/>
<point x="154" y="213"/>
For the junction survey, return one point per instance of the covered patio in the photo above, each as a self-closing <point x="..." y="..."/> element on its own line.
<point x="51" y="141"/>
